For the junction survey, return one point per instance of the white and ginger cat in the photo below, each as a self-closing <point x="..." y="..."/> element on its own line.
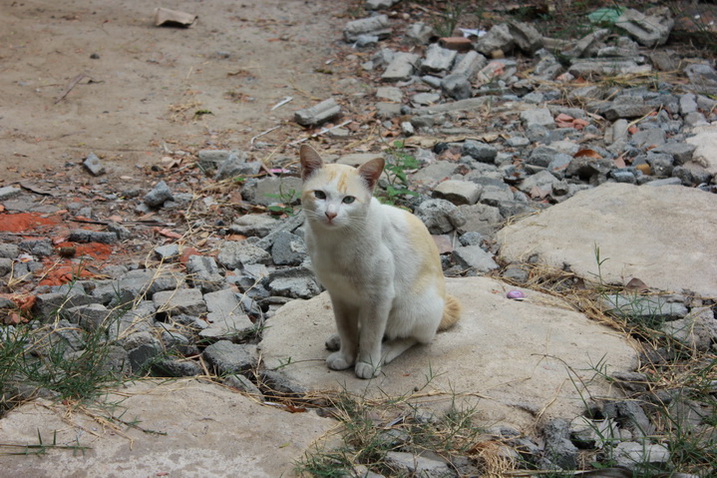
<point x="379" y="264"/>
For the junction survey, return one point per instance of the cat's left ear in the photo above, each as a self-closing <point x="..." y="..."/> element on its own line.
<point x="310" y="161"/>
<point x="371" y="171"/>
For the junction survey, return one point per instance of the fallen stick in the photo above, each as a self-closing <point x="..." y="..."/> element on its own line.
<point x="323" y="131"/>
<point x="282" y="102"/>
<point x="263" y="133"/>
<point x="71" y="86"/>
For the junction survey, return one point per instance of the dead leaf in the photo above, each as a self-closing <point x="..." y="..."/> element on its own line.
<point x="167" y="233"/>
<point x="538" y="193"/>
<point x="619" y="162"/>
<point x="25" y="303"/>
<point x="13" y="318"/>
<point x="564" y="117"/>
<point x="186" y="253"/>
<point x="579" y="124"/>
<point x="636" y="285"/>
<point x="294" y="409"/>
<point x="587" y="153"/>
<point x="645" y="168"/>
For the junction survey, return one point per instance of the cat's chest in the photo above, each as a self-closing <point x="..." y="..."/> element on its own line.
<point x="348" y="262"/>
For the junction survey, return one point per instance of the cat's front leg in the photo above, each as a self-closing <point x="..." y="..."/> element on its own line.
<point x="347" y="325"/>
<point x="373" y="318"/>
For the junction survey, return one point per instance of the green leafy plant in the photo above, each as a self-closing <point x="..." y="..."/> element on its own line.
<point x="398" y="163"/>
<point x="447" y="22"/>
<point x="39" y="448"/>
<point x="67" y="362"/>
<point x="284" y="201"/>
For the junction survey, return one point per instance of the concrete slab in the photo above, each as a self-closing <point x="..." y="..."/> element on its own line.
<point x="508" y="358"/>
<point x="663" y="235"/>
<point x="206" y="430"/>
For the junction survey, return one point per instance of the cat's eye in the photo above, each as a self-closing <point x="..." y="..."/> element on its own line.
<point x="348" y="199"/>
<point x="319" y="195"/>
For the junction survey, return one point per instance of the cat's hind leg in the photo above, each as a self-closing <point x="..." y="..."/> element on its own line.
<point x="394" y="348"/>
<point x="333" y="343"/>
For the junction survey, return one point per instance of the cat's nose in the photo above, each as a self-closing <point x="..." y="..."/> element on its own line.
<point x="330" y="215"/>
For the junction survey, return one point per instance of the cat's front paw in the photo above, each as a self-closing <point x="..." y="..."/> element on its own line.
<point x="366" y="370"/>
<point x="338" y="361"/>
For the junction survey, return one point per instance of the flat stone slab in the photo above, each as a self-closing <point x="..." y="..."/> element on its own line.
<point x="663" y="235"/>
<point x="510" y="359"/>
<point x="705" y="140"/>
<point x="206" y="430"/>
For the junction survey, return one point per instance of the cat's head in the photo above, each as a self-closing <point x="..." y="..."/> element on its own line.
<point x="335" y="195"/>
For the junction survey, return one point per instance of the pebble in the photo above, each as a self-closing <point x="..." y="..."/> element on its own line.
<point x="93" y="164"/>
<point x="515" y="295"/>
<point x="158" y="195"/>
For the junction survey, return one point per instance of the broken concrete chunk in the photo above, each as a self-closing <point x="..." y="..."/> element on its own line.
<point x="184" y="301"/>
<point x="440" y="216"/>
<point x="317" y="114"/>
<point x="607" y="66"/>
<point x="164" y="17"/>
<point x="9" y="192"/>
<point x="93" y="164"/>
<point x="236" y="165"/>
<point x="703" y="78"/>
<point x="401" y="67"/>
<point x="457" y="86"/>
<point x="626" y="107"/>
<point x="419" y="33"/>
<point x="390" y="93"/>
<point x="588" y="44"/>
<point x="526" y="37"/>
<point x="537" y="117"/>
<point x="211" y="159"/>
<point x="234" y="255"/>
<point x="497" y="38"/>
<point x="85" y="236"/>
<point x="204" y="273"/>
<point x="474" y="257"/>
<point x="458" y="192"/>
<point x="649" y="31"/>
<point x="158" y="195"/>
<point x="377" y="25"/>
<point x="437" y="59"/>
<point x="379" y="4"/>
<point x="469" y="64"/>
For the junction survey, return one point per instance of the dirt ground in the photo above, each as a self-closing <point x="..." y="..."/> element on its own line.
<point x="82" y="76"/>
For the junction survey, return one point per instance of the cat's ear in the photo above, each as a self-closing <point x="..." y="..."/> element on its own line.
<point x="310" y="161"/>
<point x="371" y="171"/>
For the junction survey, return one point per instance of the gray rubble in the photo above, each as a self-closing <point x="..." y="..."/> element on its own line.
<point x="93" y="165"/>
<point x="518" y="167"/>
<point x="320" y="113"/>
<point x="378" y="26"/>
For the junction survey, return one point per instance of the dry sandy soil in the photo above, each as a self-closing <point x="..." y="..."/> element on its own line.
<point x="143" y="85"/>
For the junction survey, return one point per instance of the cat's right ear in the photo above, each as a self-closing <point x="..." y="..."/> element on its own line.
<point x="371" y="171"/>
<point x="310" y="161"/>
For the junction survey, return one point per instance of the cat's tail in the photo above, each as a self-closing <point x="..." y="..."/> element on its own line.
<point x="451" y="313"/>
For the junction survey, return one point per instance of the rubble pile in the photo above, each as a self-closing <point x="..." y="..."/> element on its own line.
<point x="181" y="277"/>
